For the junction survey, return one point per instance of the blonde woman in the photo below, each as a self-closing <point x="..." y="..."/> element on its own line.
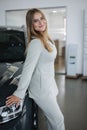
<point x="38" y="71"/>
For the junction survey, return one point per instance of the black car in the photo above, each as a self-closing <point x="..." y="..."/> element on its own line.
<point x="24" y="116"/>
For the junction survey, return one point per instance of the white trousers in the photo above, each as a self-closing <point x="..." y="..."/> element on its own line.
<point x="50" y="107"/>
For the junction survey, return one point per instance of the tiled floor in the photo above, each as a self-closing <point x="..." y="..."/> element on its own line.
<point x="72" y="100"/>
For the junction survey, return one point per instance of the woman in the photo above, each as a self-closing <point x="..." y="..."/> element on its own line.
<point x="38" y="71"/>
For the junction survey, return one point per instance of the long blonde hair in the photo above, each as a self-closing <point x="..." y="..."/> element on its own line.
<point x="44" y="37"/>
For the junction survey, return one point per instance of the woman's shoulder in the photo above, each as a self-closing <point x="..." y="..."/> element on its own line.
<point x="36" y="42"/>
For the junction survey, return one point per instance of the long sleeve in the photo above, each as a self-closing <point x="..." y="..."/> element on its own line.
<point x="33" y="54"/>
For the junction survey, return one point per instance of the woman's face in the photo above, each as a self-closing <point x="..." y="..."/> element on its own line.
<point x="39" y="22"/>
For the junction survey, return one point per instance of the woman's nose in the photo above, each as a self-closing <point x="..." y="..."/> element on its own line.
<point x="40" y="21"/>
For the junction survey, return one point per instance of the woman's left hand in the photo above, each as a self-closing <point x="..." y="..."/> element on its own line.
<point x="12" y="100"/>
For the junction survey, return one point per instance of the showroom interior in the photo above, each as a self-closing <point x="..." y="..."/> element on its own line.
<point x="67" y="26"/>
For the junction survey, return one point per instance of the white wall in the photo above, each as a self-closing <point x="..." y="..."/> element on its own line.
<point x="74" y="18"/>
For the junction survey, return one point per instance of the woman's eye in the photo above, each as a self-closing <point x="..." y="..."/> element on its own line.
<point x="42" y="18"/>
<point x="36" y="20"/>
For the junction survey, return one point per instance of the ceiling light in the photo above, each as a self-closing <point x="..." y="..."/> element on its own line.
<point x="54" y="11"/>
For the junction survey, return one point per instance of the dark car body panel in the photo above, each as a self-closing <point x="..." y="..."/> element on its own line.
<point x="12" y="45"/>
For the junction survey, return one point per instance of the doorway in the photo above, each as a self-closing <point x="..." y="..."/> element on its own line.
<point x="56" y="18"/>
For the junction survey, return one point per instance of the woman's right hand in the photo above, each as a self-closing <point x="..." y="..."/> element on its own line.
<point x="12" y="100"/>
